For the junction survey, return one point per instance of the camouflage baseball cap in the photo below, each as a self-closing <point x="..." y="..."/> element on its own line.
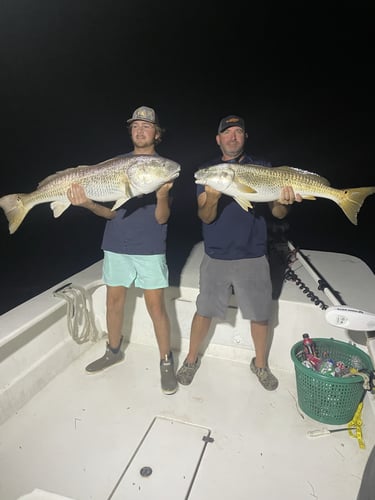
<point x="145" y="114"/>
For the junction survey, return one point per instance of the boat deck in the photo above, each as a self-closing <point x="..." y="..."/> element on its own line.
<point x="87" y="437"/>
<point x="67" y="434"/>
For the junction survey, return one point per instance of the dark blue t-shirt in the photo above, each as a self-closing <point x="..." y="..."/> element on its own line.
<point x="235" y="233"/>
<point x="134" y="230"/>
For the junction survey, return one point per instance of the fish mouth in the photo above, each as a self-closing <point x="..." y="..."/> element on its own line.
<point x="176" y="172"/>
<point x="202" y="173"/>
<point x="202" y="176"/>
<point x="199" y="178"/>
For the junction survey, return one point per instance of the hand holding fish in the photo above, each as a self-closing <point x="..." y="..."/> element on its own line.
<point x="280" y="207"/>
<point x="207" y="204"/>
<point x="212" y="193"/>
<point x="162" y="210"/>
<point x="77" y="196"/>
<point x="288" y="196"/>
<point x="163" y="191"/>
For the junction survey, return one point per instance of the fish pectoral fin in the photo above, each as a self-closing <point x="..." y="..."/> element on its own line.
<point x="127" y="195"/>
<point x="58" y="207"/>
<point x="120" y="202"/>
<point x="243" y="188"/>
<point x="243" y="203"/>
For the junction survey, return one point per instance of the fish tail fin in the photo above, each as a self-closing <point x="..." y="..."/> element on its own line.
<point x="14" y="210"/>
<point x="352" y="201"/>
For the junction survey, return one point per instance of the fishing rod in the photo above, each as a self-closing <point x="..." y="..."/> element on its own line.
<point x="340" y="314"/>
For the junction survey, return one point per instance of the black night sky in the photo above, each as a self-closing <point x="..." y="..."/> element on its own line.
<point x="72" y="72"/>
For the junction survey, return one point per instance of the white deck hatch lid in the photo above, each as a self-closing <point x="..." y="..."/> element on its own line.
<point x="165" y="463"/>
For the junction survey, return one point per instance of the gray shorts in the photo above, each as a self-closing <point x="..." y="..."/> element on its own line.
<point x="249" y="279"/>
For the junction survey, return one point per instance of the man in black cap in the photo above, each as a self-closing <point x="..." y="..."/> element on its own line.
<point x="235" y="243"/>
<point x="134" y="245"/>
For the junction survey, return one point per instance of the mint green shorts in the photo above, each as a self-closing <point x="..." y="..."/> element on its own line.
<point x="148" y="272"/>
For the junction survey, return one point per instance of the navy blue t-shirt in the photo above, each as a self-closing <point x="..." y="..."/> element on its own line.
<point x="134" y="230"/>
<point x="235" y="233"/>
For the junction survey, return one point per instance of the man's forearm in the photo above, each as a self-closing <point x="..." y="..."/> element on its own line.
<point x="208" y="212"/>
<point x="99" y="210"/>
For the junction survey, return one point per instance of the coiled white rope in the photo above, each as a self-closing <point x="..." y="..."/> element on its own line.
<point x="80" y="317"/>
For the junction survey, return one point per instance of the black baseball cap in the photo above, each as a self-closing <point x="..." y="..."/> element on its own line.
<point x="231" y="121"/>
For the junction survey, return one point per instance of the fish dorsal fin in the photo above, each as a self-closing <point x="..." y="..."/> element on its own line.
<point x="305" y="173"/>
<point x="59" y="207"/>
<point x="243" y="203"/>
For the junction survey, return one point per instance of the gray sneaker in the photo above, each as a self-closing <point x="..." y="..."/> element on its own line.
<point x="167" y="375"/>
<point x="187" y="371"/>
<point x="265" y="377"/>
<point x="109" y="359"/>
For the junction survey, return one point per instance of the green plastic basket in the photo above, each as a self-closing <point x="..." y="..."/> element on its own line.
<point x="328" y="399"/>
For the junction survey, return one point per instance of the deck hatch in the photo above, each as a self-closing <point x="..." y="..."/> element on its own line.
<point x="165" y="463"/>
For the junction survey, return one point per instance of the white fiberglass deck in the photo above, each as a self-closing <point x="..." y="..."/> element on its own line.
<point x="76" y="437"/>
<point x="67" y="433"/>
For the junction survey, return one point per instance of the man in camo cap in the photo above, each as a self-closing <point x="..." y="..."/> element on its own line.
<point x="134" y="245"/>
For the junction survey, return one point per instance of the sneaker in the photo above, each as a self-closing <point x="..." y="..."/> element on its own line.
<point x="187" y="371"/>
<point x="109" y="359"/>
<point x="167" y="375"/>
<point x="265" y="377"/>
